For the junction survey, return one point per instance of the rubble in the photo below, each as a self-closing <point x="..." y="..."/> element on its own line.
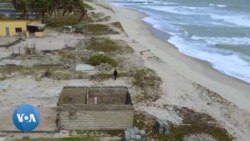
<point x="84" y="67"/>
<point x="134" y="134"/>
<point x="162" y="127"/>
<point x="10" y="62"/>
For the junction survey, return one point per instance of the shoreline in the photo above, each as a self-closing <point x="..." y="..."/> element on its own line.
<point x="204" y="62"/>
<point x="196" y="70"/>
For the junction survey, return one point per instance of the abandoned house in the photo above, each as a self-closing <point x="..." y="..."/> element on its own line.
<point x="95" y="108"/>
<point x="21" y="28"/>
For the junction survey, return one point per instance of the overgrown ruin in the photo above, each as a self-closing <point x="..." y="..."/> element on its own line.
<point x="95" y="108"/>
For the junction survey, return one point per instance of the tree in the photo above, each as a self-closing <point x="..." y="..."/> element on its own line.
<point x="41" y="7"/>
<point x="48" y="7"/>
<point x="82" y="11"/>
<point x="21" y="6"/>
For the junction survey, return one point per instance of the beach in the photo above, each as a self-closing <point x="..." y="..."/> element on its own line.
<point x="164" y="84"/>
<point x="181" y="75"/>
<point x="198" y="71"/>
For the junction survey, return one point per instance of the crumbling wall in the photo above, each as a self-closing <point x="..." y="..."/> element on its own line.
<point x="108" y="95"/>
<point x="111" y="118"/>
<point x="73" y="95"/>
<point x="95" y="108"/>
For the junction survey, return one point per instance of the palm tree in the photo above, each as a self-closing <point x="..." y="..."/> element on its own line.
<point x="41" y="7"/>
<point x="82" y="11"/>
<point x="68" y="6"/>
<point x="21" y="6"/>
<point x="54" y="7"/>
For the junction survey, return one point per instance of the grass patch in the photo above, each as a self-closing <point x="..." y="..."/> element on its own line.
<point x="67" y="55"/>
<point x="34" y="70"/>
<point x="100" y="58"/>
<point x="63" y="139"/>
<point x="193" y="123"/>
<point x="148" y="82"/>
<point x="101" y="76"/>
<point x="97" y="29"/>
<point x="97" y="17"/>
<point x="117" y="25"/>
<point x="102" y="44"/>
<point x="61" y="21"/>
<point x="106" y="76"/>
<point x="196" y="123"/>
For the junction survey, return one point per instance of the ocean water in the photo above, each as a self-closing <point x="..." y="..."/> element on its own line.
<point x="210" y="30"/>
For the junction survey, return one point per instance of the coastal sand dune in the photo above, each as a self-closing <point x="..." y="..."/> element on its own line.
<point x="198" y="71"/>
<point x="187" y="82"/>
<point x="180" y="72"/>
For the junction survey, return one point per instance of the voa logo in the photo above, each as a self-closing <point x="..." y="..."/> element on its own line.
<point x="23" y="117"/>
<point x="26" y="118"/>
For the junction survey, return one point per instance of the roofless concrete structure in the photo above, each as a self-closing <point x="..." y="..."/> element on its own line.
<point x="95" y="108"/>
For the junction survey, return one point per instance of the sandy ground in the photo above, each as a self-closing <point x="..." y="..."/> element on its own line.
<point x="51" y="41"/>
<point x="7" y="40"/>
<point x="43" y="93"/>
<point x="181" y="74"/>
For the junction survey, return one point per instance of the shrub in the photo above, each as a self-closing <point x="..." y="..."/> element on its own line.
<point x="98" y="28"/>
<point x="60" y="21"/>
<point x="98" y="59"/>
<point x="149" y="84"/>
<point x="102" y="44"/>
<point x="118" y="25"/>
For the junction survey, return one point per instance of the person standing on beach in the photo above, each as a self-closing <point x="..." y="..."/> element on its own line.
<point x="115" y="74"/>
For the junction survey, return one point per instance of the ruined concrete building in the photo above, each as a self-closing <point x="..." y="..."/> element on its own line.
<point x="95" y="108"/>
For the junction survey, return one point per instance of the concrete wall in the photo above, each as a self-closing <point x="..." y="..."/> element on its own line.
<point x="86" y="95"/>
<point x="77" y="110"/>
<point x="12" y="25"/>
<point x="73" y="95"/>
<point x="96" y="120"/>
<point x="108" y="95"/>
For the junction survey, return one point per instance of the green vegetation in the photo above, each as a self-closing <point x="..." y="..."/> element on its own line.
<point x="98" y="29"/>
<point x="101" y="76"/>
<point x="148" y="82"/>
<point x="3" y="1"/>
<point x="34" y="70"/>
<point x="100" y="58"/>
<point x="46" y="8"/>
<point x="102" y="44"/>
<point x="62" y="21"/>
<point x="67" y="55"/>
<point x="117" y="25"/>
<point x="198" y="123"/>
<point x="58" y="72"/>
<point x="193" y="123"/>
<point x="105" y="76"/>
<point x="63" y="139"/>
<point x="97" y="17"/>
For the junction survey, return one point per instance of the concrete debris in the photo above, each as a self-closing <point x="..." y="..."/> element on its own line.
<point x="10" y="62"/>
<point x="134" y="134"/>
<point x="95" y="108"/>
<point x="162" y="127"/>
<point x="72" y="44"/>
<point x="84" y="67"/>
